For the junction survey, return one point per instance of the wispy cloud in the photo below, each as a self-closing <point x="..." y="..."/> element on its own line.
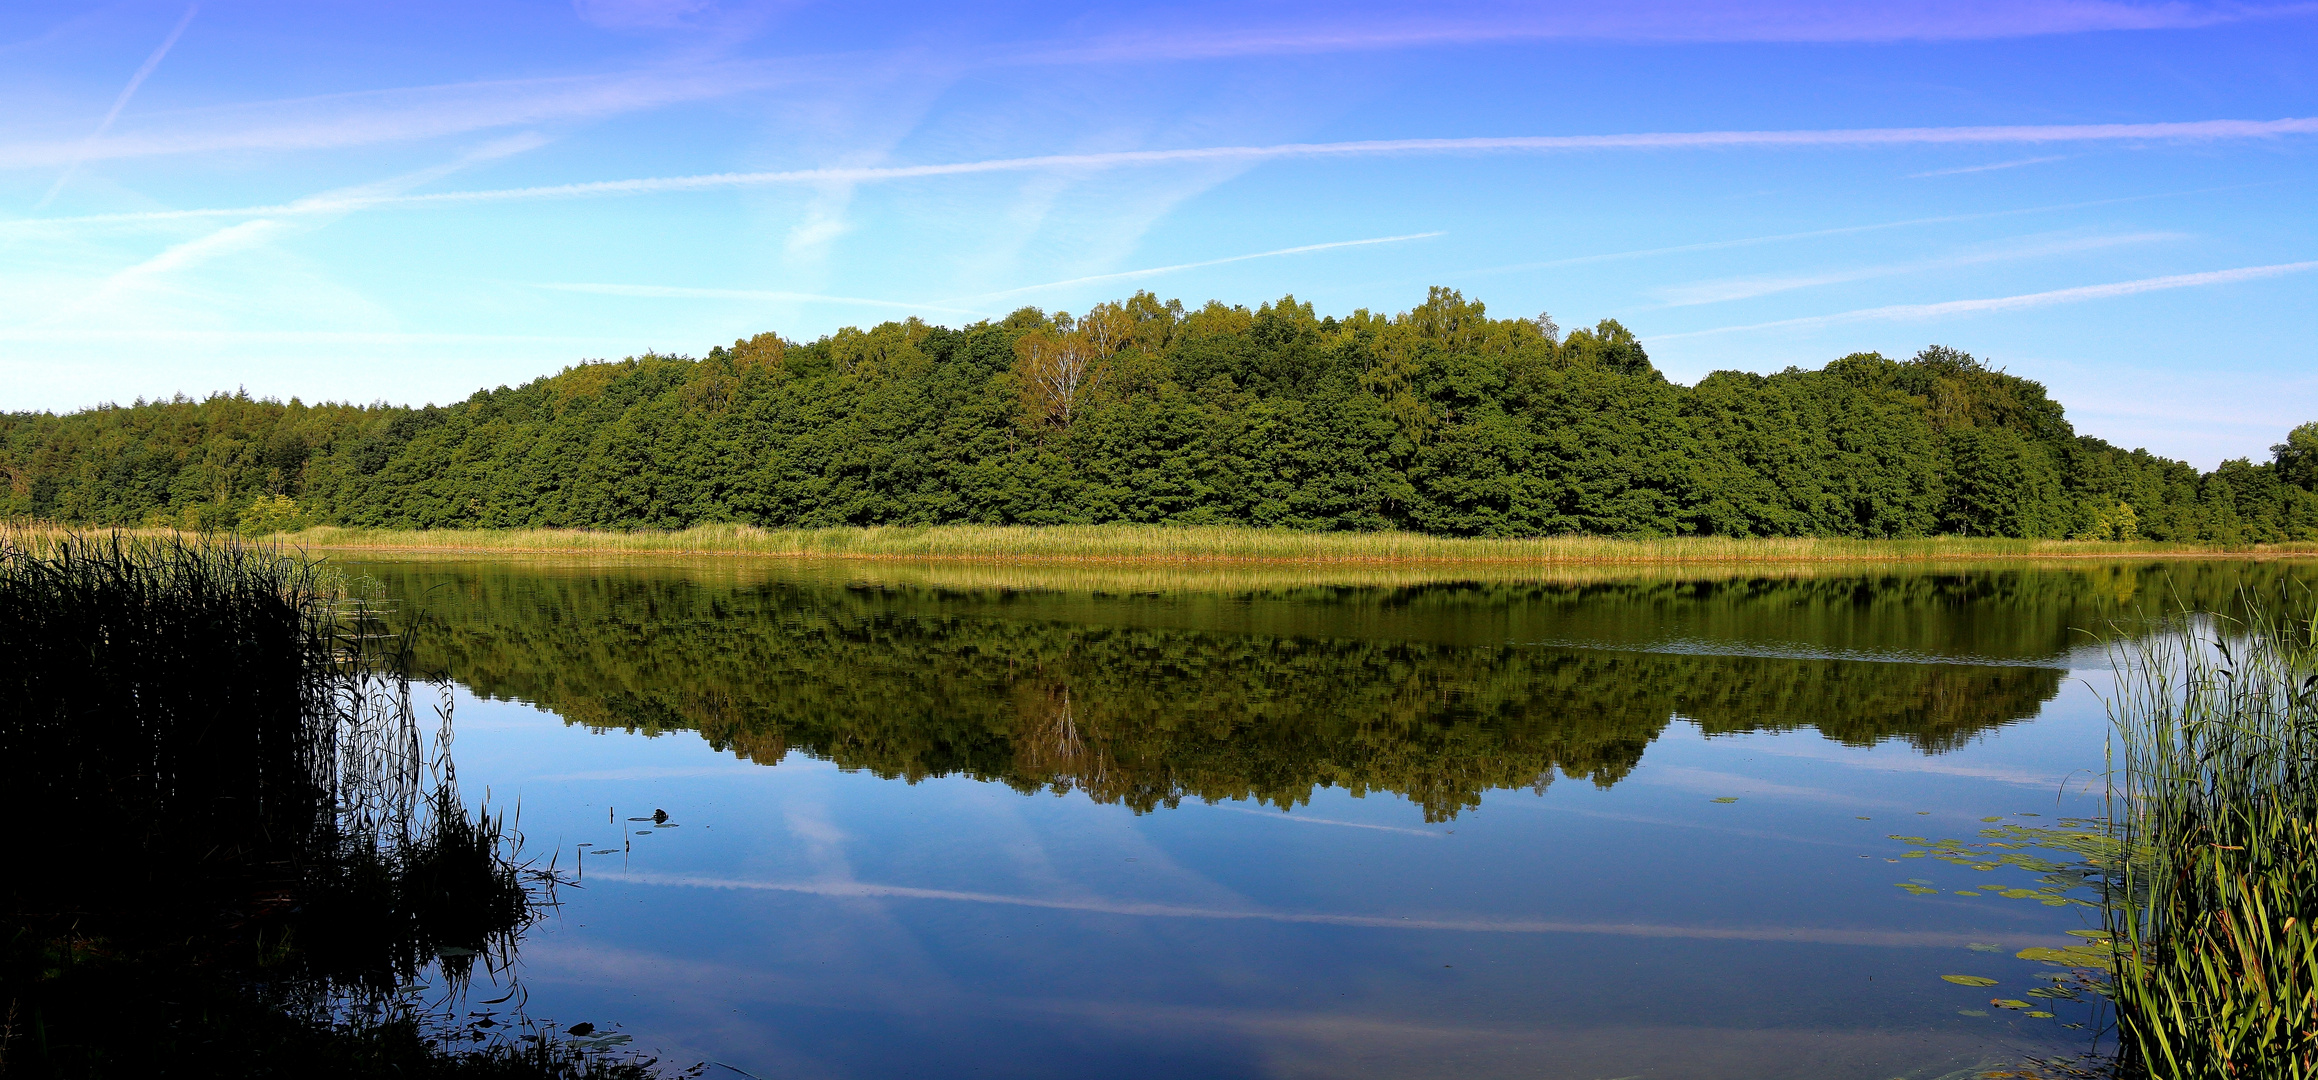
<point x="143" y="72"/>
<point x="1307" y="819"/>
<point x="1127" y="275"/>
<point x="1489" y="925"/>
<point x="1989" y="167"/>
<point x="1747" y="288"/>
<point x="168" y="336"/>
<point x="1670" y="21"/>
<point x="1841" y="230"/>
<point x="681" y="292"/>
<point x="303" y="215"/>
<point x="370" y="117"/>
<point x="2197" y="130"/>
<point x="1906" y="312"/>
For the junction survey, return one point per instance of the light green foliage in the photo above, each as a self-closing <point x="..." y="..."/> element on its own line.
<point x="2216" y="810"/>
<point x="271" y="514"/>
<point x="1439" y="420"/>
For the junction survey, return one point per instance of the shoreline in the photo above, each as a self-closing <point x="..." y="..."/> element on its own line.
<point x="1110" y="545"/>
<point x="1219" y="546"/>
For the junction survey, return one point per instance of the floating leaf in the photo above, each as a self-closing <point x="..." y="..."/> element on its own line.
<point x="1918" y="890"/>
<point x="2099" y="936"/>
<point x="1971" y="1012"/>
<point x="2009" y="1003"/>
<point x="1969" y="980"/>
<point x="2040" y="1014"/>
<point x="1965" y="892"/>
<point x="1992" y="819"/>
<point x="2081" y="956"/>
<point x="1982" y="946"/>
<point x="1727" y="799"/>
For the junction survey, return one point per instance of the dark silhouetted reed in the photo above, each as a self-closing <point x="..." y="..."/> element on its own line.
<point x="237" y="848"/>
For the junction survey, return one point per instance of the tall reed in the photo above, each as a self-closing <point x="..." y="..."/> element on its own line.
<point x="228" y="808"/>
<point x="2214" y="796"/>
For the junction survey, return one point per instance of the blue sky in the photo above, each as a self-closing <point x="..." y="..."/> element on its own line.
<point x="410" y="201"/>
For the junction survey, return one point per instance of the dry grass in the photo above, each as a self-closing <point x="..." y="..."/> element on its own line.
<point x="1146" y="544"/>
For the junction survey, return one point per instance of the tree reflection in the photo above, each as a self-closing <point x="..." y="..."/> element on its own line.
<point x="1438" y="692"/>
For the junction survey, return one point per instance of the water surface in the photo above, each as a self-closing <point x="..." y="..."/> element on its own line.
<point x="932" y="820"/>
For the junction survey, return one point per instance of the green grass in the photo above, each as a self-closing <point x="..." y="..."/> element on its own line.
<point x="1227" y="544"/>
<point x="2215" y="803"/>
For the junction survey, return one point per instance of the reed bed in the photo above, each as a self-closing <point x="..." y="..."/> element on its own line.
<point x="1192" y="544"/>
<point x="234" y="829"/>
<point x="2214" y="797"/>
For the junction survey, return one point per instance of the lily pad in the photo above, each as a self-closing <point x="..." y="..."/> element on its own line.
<point x="1918" y="890"/>
<point x="2040" y="1014"/>
<point x="1727" y="799"/>
<point x="1969" y="980"/>
<point x="1971" y="1012"/>
<point x="2080" y="956"/>
<point x="1982" y="946"/>
<point x="2009" y="1003"/>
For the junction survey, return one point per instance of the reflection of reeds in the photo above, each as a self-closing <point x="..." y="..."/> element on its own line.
<point x="2216" y="801"/>
<point x="1049" y="745"/>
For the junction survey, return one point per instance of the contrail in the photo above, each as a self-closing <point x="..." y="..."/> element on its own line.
<point x="119" y="103"/>
<point x="865" y="890"/>
<point x="689" y="293"/>
<point x="1842" y="230"/>
<point x="1897" y="312"/>
<point x="1845" y="137"/>
<point x="1150" y="271"/>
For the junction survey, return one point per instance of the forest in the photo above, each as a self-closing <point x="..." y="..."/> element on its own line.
<point x="1439" y="419"/>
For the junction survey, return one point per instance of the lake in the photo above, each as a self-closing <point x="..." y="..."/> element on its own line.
<point x="1009" y="821"/>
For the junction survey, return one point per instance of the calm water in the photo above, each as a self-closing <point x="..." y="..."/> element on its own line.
<point x="936" y="821"/>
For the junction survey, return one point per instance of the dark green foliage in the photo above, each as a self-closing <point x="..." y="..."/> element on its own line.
<point x="1439" y="420"/>
<point x="1152" y="698"/>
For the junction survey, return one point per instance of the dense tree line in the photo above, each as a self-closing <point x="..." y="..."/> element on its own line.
<point x="1438" y="419"/>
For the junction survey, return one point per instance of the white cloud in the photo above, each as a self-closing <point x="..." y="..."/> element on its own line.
<point x="2190" y="131"/>
<point x="143" y="72"/>
<point x="1127" y="275"/>
<point x="1348" y="29"/>
<point x="1747" y="288"/>
<point x="369" y="117"/>
<point x="1905" y="312"/>
<point x="680" y="292"/>
<point x="1992" y="167"/>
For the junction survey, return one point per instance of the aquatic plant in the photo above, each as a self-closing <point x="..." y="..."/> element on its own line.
<point x="240" y="844"/>
<point x="2214" y="799"/>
